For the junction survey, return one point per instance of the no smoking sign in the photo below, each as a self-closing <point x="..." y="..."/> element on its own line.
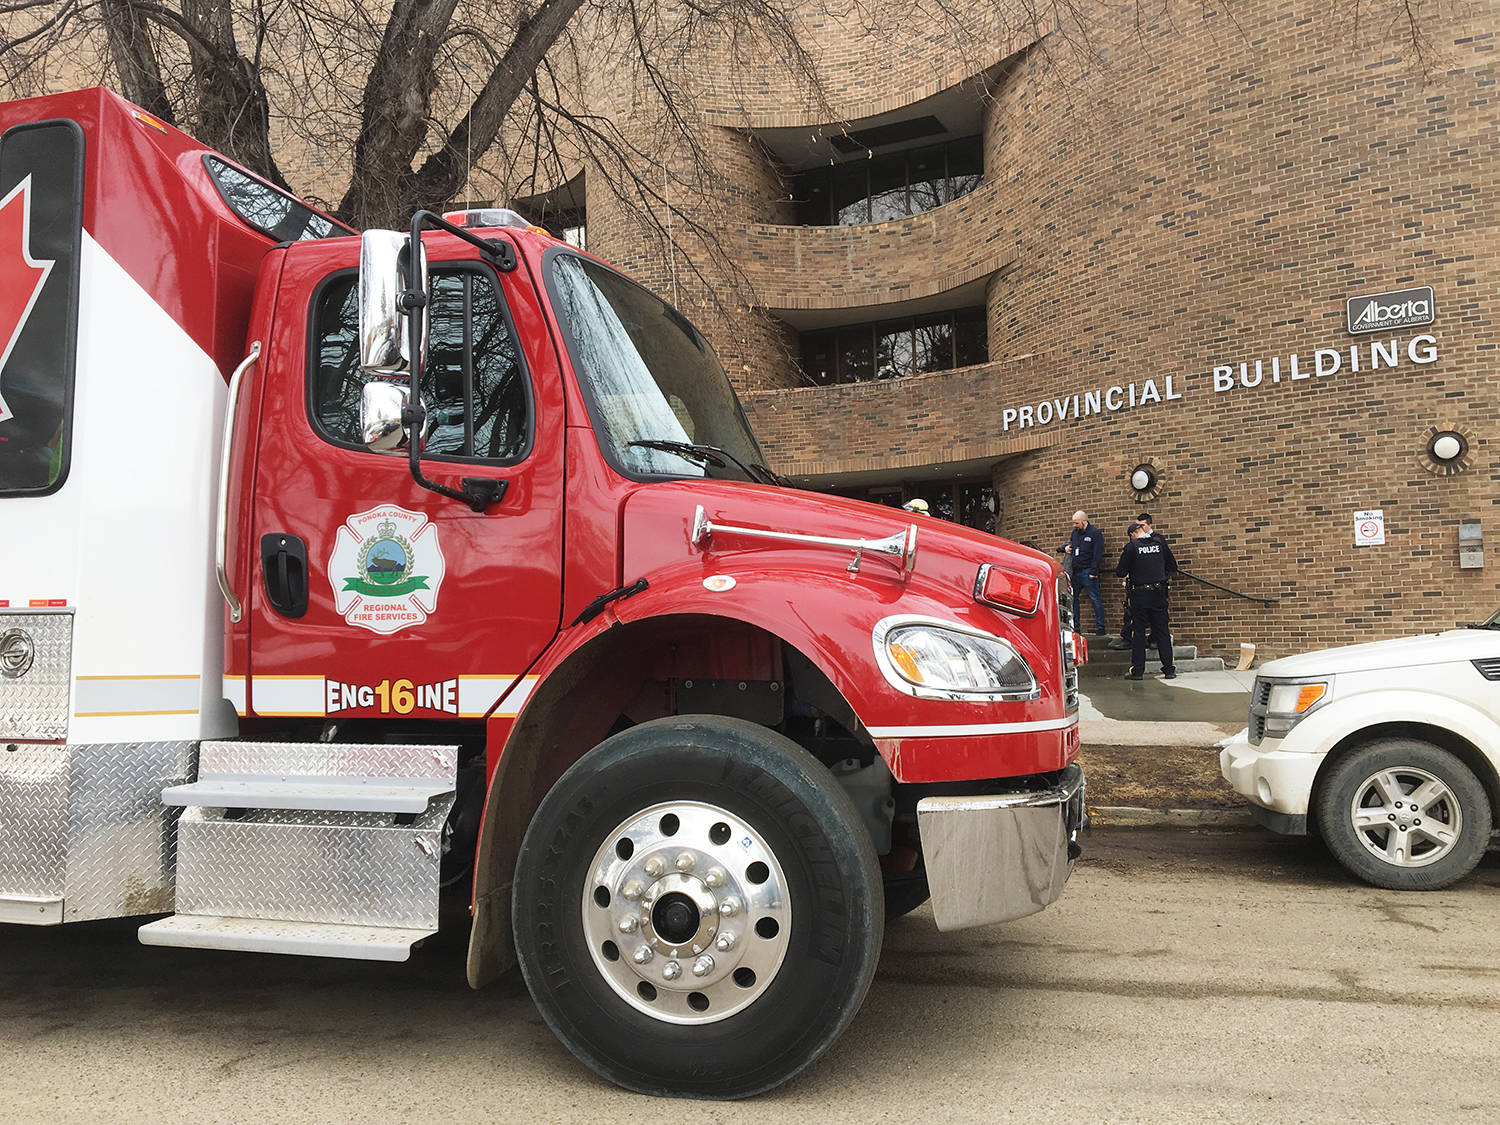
<point x="1369" y="528"/>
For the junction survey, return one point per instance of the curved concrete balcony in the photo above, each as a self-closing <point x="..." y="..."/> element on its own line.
<point x="799" y="272"/>
<point x="849" y="430"/>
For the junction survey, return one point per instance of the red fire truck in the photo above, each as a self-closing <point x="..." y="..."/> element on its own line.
<point x="339" y="570"/>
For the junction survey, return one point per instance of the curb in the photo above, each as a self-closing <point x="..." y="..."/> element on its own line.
<point x="1127" y="816"/>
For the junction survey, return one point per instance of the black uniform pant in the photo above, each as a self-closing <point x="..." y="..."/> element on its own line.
<point x="1148" y="612"/>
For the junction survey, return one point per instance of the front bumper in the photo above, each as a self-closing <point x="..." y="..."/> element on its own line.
<point x="1279" y="781"/>
<point x="998" y="857"/>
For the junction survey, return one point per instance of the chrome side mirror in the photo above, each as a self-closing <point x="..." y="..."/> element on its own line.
<point x="380" y="408"/>
<point x="384" y="340"/>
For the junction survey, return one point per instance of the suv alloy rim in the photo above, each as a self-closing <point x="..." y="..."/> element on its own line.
<point x="685" y="912"/>
<point x="1406" y="816"/>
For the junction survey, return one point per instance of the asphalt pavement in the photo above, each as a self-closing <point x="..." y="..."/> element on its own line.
<point x="1183" y="977"/>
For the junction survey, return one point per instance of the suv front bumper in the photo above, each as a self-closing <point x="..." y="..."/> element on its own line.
<point x="1276" y="781"/>
<point x="998" y="857"/>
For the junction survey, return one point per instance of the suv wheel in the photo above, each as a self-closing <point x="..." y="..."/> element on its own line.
<point x="1404" y="814"/>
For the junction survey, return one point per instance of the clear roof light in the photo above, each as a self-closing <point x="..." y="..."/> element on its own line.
<point x="486" y="217"/>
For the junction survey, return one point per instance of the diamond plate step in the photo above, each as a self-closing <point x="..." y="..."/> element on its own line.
<point x="302" y="939"/>
<point x="318" y="849"/>
<point x="328" y="776"/>
<point x="353" y="794"/>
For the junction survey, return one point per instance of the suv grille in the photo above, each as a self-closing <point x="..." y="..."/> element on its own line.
<point x="1260" y="699"/>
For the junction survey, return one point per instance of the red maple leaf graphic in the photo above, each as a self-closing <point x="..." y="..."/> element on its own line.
<point x="21" y="275"/>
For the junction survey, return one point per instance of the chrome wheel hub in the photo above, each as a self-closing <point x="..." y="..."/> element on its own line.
<point x="1406" y="817"/>
<point x="685" y="912"/>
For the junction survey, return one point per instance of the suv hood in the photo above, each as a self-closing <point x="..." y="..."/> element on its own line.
<point x="1402" y="652"/>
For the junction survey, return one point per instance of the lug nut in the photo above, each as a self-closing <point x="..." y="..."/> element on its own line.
<point x="632" y="890"/>
<point x="725" y="941"/>
<point x="671" y="970"/>
<point x="642" y="954"/>
<point x="729" y="907"/>
<point x="703" y="966"/>
<point x="655" y="867"/>
<point x="629" y="923"/>
<point x="685" y="862"/>
<point x="715" y="877"/>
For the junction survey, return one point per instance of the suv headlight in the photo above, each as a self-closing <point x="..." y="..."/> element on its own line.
<point x="944" y="660"/>
<point x="1287" y="704"/>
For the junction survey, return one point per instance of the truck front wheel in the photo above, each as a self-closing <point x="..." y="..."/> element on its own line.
<point x="1404" y="814"/>
<point x="697" y="908"/>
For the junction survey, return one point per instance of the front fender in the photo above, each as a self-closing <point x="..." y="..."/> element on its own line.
<point x="829" y="616"/>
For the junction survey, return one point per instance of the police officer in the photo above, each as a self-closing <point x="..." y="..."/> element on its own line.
<point x="1127" y="623"/>
<point x="1145" y="564"/>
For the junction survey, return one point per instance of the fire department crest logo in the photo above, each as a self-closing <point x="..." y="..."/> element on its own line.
<point x="386" y="569"/>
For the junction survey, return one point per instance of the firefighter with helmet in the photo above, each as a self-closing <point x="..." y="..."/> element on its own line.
<point x="917" y="505"/>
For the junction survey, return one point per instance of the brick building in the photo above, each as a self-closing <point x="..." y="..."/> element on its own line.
<point x="1015" y="287"/>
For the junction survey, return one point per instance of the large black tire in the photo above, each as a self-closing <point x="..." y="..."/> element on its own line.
<point x="1368" y="820"/>
<point x="580" y="865"/>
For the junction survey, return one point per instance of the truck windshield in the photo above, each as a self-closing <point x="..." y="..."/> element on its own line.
<point x="660" y="402"/>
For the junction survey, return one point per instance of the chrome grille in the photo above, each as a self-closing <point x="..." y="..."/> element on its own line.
<point x="1064" y="626"/>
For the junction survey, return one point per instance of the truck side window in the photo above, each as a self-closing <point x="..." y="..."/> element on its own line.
<point x="474" y="383"/>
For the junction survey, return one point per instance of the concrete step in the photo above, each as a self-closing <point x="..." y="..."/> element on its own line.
<point x="1153" y="667"/>
<point x="1101" y="653"/>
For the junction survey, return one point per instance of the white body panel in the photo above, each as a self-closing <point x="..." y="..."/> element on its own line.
<point x="128" y="539"/>
<point x="1428" y="680"/>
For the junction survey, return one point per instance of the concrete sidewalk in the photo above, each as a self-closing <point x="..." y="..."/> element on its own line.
<point x="1153" y="744"/>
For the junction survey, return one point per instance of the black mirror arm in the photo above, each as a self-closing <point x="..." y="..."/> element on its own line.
<point x="478" y="493"/>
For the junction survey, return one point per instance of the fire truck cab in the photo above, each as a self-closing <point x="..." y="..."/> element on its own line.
<point x="341" y="571"/>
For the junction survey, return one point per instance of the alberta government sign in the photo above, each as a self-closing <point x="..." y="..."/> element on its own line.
<point x="1398" y="308"/>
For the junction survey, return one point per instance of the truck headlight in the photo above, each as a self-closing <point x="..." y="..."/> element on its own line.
<point x="1286" y="704"/>
<point x="943" y="660"/>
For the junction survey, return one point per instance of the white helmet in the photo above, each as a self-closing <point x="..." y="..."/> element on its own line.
<point x="916" y="505"/>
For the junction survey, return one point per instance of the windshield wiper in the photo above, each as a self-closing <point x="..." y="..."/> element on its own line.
<point x="709" y="455"/>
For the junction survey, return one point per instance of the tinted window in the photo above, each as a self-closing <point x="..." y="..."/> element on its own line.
<point x="268" y="210"/>
<point x="41" y="170"/>
<point x="875" y="189"/>
<point x="473" y="383"/>
<point x="891" y="349"/>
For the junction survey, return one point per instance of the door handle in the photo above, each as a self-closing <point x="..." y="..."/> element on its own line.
<point x="283" y="562"/>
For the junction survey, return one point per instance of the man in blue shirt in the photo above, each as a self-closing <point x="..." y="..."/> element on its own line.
<point x="1085" y="551"/>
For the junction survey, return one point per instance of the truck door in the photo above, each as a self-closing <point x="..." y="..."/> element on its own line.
<point x="372" y="596"/>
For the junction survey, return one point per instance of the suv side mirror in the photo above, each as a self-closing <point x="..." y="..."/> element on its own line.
<point x="384" y="282"/>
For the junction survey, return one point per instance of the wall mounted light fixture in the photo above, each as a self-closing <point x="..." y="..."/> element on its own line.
<point x="1145" y="482"/>
<point x="1445" y="451"/>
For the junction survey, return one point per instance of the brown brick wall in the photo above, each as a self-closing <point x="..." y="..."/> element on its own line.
<point x="1210" y="198"/>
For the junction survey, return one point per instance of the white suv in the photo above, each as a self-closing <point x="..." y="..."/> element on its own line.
<point x="1389" y="751"/>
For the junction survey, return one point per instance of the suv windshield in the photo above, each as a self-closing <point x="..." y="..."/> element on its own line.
<point x="651" y="381"/>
